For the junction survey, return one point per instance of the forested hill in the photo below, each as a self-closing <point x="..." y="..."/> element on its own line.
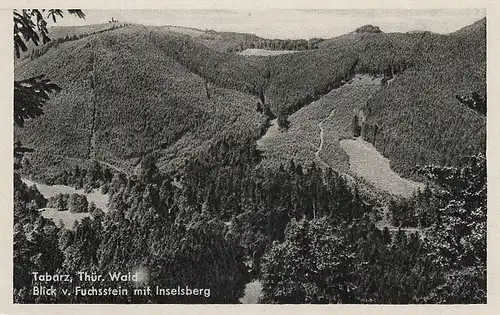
<point x="421" y="117"/>
<point x="60" y="34"/>
<point x="137" y="90"/>
<point x="124" y="97"/>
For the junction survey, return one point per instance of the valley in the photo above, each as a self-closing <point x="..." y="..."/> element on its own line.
<point x="347" y="155"/>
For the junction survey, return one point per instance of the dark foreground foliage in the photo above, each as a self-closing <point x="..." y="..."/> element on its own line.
<point x="304" y="232"/>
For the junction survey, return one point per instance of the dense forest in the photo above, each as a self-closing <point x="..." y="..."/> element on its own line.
<point x="304" y="232"/>
<point x="176" y="76"/>
<point x="278" y="44"/>
<point x="168" y="128"/>
<point x="37" y="52"/>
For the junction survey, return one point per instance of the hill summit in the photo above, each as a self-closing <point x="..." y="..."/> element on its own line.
<point x="368" y="29"/>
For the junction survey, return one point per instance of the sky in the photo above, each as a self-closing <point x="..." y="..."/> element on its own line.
<point x="280" y="23"/>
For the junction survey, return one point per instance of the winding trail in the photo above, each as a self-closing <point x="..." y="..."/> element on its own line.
<point x="393" y="230"/>
<point x="119" y="170"/>
<point x="322" y="138"/>
<point x="386" y="222"/>
<point x="116" y="168"/>
<point x="408" y="230"/>
<point x="350" y="180"/>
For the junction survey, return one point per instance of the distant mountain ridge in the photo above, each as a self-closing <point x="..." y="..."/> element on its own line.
<point x="131" y="81"/>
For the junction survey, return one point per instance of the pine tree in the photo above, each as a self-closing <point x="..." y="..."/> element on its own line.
<point x="356" y="128"/>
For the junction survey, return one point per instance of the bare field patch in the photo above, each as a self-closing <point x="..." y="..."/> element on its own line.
<point x="64" y="218"/>
<point x="264" y="52"/>
<point x="185" y="30"/>
<point x="368" y="163"/>
<point x="95" y="196"/>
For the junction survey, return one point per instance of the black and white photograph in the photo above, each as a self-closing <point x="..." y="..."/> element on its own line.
<point x="249" y="156"/>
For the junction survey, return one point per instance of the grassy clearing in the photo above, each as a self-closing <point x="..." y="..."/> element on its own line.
<point x="367" y="162"/>
<point x="334" y="111"/>
<point x="68" y="218"/>
<point x="185" y="30"/>
<point x="63" y="218"/>
<point x="95" y="196"/>
<point x="353" y="98"/>
<point x="264" y="52"/>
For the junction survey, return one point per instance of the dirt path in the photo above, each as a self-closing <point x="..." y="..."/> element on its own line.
<point x="116" y="168"/>
<point x="386" y="222"/>
<point x="119" y="170"/>
<point x="322" y="138"/>
<point x="408" y="230"/>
